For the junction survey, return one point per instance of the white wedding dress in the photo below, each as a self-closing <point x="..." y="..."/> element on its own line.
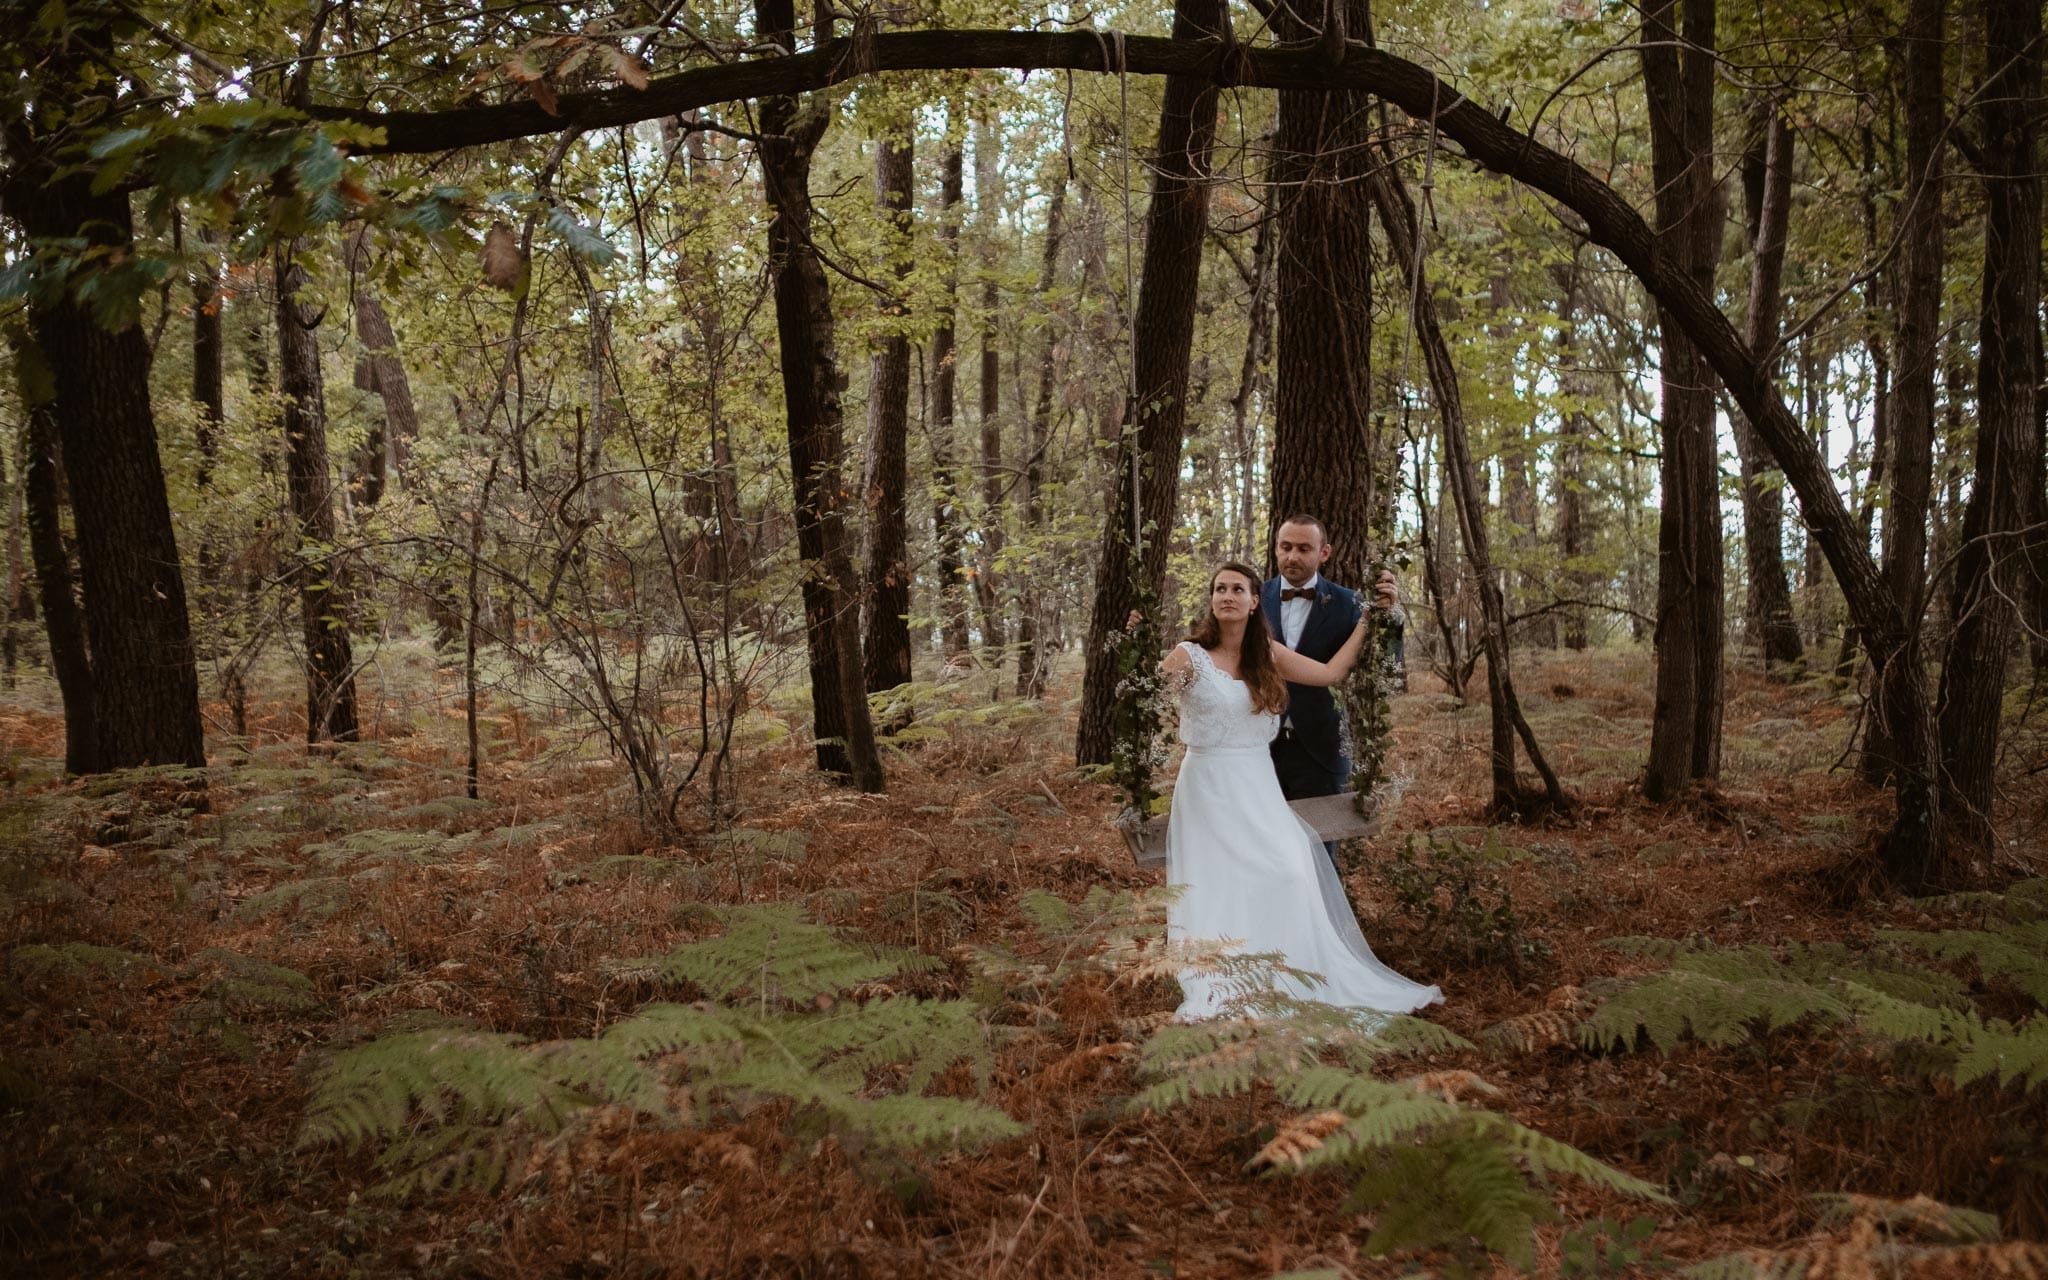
<point x="1254" y="873"/>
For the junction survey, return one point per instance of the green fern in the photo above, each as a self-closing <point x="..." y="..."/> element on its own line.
<point x="75" y="962"/>
<point x="319" y="898"/>
<point x="451" y="1107"/>
<point x="1723" y="997"/>
<point x="773" y="954"/>
<point x="2018" y="951"/>
<point x="1437" y="1172"/>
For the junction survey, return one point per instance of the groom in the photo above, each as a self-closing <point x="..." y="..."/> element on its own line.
<point x="1312" y="616"/>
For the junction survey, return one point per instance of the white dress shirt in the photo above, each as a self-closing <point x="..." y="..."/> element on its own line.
<point x="1294" y="613"/>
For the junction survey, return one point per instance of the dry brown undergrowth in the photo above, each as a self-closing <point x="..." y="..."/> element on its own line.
<point x="149" y="1109"/>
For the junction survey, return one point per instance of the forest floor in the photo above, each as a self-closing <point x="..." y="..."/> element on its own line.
<point x="151" y="1098"/>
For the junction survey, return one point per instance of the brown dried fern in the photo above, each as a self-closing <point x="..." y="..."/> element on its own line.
<point x="1298" y="1137"/>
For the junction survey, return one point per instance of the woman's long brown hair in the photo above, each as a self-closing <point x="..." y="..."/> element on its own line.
<point x="1255" y="660"/>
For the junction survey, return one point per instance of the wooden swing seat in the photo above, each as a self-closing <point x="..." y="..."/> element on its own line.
<point x="1334" y="817"/>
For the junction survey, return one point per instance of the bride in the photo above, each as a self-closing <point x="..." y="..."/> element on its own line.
<point x="1253" y="873"/>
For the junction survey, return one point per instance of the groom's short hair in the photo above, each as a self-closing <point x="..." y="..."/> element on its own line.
<point x="1322" y="530"/>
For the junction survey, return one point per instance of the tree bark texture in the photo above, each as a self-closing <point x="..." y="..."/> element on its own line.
<point x="381" y="371"/>
<point x="63" y="624"/>
<point x="886" y="653"/>
<point x="1767" y="189"/>
<point x="324" y="604"/>
<point x="1912" y="401"/>
<point x="1252" y="378"/>
<point x="946" y="522"/>
<point x="1163" y="331"/>
<point x="810" y="388"/>
<point x="1989" y="563"/>
<point x="988" y="196"/>
<point x="1685" y="729"/>
<point x="131" y="582"/>
<point x="1032" y="660"/>
<point x="1323" y="463"/>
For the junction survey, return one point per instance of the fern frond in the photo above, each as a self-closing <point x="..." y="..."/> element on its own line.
<point x="1718" y="1008"/>
<point x="74" y="961"/>
<point x="1475" y="1191"/>
<point x="772" y="953"/>
<point x="378" y="847"/>
<point x="671" y="1028"/>
<point x="319" y="898"/>
<point x="924" y="1124"/>
<point x="370" y="1092"/>
<point x="1921" y="1217"/>
<point x="1297" y="1137"/>
<point x="2005" y="1051"/>
<point x="2018" y="951"/>
<point x="1528" y="1032"/>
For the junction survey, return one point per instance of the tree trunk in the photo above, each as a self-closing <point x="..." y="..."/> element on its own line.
<point x="1685" y="729"/>
<point x="1163" y="334"/>
<point x="1767" y="191"/>
<point x="1989" y="562"/>
<point x="887" y="652"/>
<point x="324" y="604"/>
<point x="953" y="584"/>
<point x="1404" y="234"/>
<point x="1032" y="660"/>
<point x="1919" y="289"/>
<point x="810" y="389"/>
<point x="1576" y="430"/>
<point x="70" y="659"/>
<point x="988" y="195"/>
<point x="145" y="679"/>
<point x="1323" y="458"/>
<point x="1251" y="379"/>
<point x="16" y="609"/>
<point x="381" y="371"/>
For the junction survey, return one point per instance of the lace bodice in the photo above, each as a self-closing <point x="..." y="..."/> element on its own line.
<point x="1216" y="709"/>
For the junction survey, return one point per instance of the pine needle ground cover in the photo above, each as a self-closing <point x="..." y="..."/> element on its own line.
<point x="957" y="1066"/>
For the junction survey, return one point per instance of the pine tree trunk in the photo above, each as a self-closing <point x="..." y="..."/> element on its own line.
<point x="1989" y="562"/>
<point x="1685" y="730"/>
<point x="324" y="603"/>
<point x="988" y="196"/>
<point x="1767" y="188"/>
<point x="887" y="637"/>
<point x="1032" y="660"/>
<point x="145" y="678"/>
<point x="946" y="522"/>
<point x="810" y="389"/>
<point x="1176" y="223"/>
<point x="1323" y="458"/>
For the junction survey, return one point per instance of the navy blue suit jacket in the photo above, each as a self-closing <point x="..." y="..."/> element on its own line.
<point x="1332" y="616"/>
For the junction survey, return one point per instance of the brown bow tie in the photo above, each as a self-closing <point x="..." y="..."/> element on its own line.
<point x="1297" y="593"/>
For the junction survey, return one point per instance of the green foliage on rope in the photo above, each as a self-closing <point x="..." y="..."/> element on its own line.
<point x="458" y="1108"/>
<point x="1137" y="717"/>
